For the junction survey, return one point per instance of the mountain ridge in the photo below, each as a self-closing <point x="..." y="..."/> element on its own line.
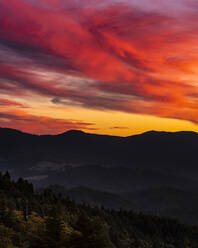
<point x="78" y="131"/>
<point x="77" y="147"/>
<point x="112" y="164"/>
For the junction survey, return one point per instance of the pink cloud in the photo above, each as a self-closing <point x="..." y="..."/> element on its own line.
<point x="105" y="55"/>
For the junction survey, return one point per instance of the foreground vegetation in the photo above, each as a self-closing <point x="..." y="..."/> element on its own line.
<point x="32" y="220"/>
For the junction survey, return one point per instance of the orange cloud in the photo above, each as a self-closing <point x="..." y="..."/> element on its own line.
<point x="40" y="125"/>
<point x="8" y="103"/>
<point x="106" y="55"/>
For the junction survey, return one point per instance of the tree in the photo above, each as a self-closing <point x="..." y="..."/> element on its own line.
<point x="54" y="226"/>
<point x="6" y="235"/>
<point x="95" y="233"/>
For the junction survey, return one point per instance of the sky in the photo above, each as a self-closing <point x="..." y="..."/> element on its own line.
<point x="101" y="66"/>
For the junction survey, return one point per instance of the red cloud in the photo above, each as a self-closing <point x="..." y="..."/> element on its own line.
<point x="40" y="125"/>
<point x="101" y="54"/>
<point x="7" y="103"/>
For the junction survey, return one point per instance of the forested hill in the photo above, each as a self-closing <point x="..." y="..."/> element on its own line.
<point x="31" y="220"/>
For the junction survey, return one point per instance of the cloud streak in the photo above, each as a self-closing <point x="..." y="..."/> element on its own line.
<point x="106" y="55"/>
<point x="41" y="125"/>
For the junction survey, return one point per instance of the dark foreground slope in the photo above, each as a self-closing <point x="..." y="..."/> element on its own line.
<point x="44" y="220"/>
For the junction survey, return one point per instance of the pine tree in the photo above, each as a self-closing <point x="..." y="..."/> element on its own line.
<point x="54" y="225"/>
<point x="95" y="233"/>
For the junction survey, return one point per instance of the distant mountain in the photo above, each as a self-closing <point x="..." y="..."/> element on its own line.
<point x="167" y="156"/>
<point x="76" y="147"/>
<point x="94" y="197"/>
<point x="113" y="179"/>
<point x="166" y="201"/>
<point x="154" y="171"/>
<point x="163" y="201"/>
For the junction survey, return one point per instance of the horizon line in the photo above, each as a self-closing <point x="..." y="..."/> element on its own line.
<point x="81" y="131"/>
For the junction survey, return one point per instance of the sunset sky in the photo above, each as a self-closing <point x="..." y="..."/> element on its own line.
<point x="108" y="67"/>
